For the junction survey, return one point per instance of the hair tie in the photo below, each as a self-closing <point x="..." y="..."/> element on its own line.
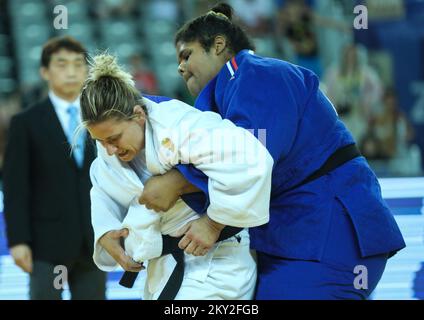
<point x="218" y="14"/>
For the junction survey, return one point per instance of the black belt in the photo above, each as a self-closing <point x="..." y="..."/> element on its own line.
<point x="339" y="157"/>
<point x="170" y="246"/>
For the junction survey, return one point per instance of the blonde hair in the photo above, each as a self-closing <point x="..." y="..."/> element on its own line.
<point x="108" y="92"/>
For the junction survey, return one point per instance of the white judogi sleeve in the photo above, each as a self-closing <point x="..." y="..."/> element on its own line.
<point x="144" y="241"/>
<point x="114" y="205"/>
<point x="106" y="215"/>
<point x="238" y="166"/>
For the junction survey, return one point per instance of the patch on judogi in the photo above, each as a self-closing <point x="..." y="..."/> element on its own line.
<point x="168" y="144"/>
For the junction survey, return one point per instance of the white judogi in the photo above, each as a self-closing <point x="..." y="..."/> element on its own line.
<point x="239" y="171"/>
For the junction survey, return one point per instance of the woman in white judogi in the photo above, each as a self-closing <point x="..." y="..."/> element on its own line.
<point x="137" y="138"/>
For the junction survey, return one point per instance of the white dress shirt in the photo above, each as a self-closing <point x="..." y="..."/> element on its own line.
<point x="61" y="107"/>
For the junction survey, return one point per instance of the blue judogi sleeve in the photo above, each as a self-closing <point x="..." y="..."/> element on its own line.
<point x="157" y="99"/>
<point x="267" y="100"/>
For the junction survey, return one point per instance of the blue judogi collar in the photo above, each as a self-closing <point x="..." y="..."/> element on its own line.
<point x="212" y="94"/>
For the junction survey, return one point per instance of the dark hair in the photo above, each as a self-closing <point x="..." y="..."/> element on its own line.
<point x="216" y="22"/>
<point x="57" y="43"/>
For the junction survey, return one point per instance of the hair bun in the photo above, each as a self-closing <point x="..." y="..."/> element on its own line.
<point x="225" y="9"/>
<point x="106" y="65"/>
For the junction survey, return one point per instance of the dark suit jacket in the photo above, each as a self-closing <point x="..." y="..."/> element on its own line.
<point x="46" y="196"/>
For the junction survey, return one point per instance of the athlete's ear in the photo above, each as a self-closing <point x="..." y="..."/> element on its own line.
<point x="139" y="112"/>
<point x="220" y="43"/>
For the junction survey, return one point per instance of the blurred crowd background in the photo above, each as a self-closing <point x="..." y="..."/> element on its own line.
<point x="374" y="76"/>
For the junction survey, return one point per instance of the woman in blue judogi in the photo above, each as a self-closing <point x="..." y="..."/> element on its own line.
<point x="330" y="232"/>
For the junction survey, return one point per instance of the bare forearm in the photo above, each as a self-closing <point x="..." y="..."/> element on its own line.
<point x="183" y="185"/>
<point x="190" y="188"/>
<point x="215" y="225"/>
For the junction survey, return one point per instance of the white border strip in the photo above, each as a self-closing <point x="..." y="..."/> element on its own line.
<point x="402" y="187"/>
<point x="230" y="68"/>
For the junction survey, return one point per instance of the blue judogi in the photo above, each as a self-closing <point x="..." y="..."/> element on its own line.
<point x="302" y="131"/>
